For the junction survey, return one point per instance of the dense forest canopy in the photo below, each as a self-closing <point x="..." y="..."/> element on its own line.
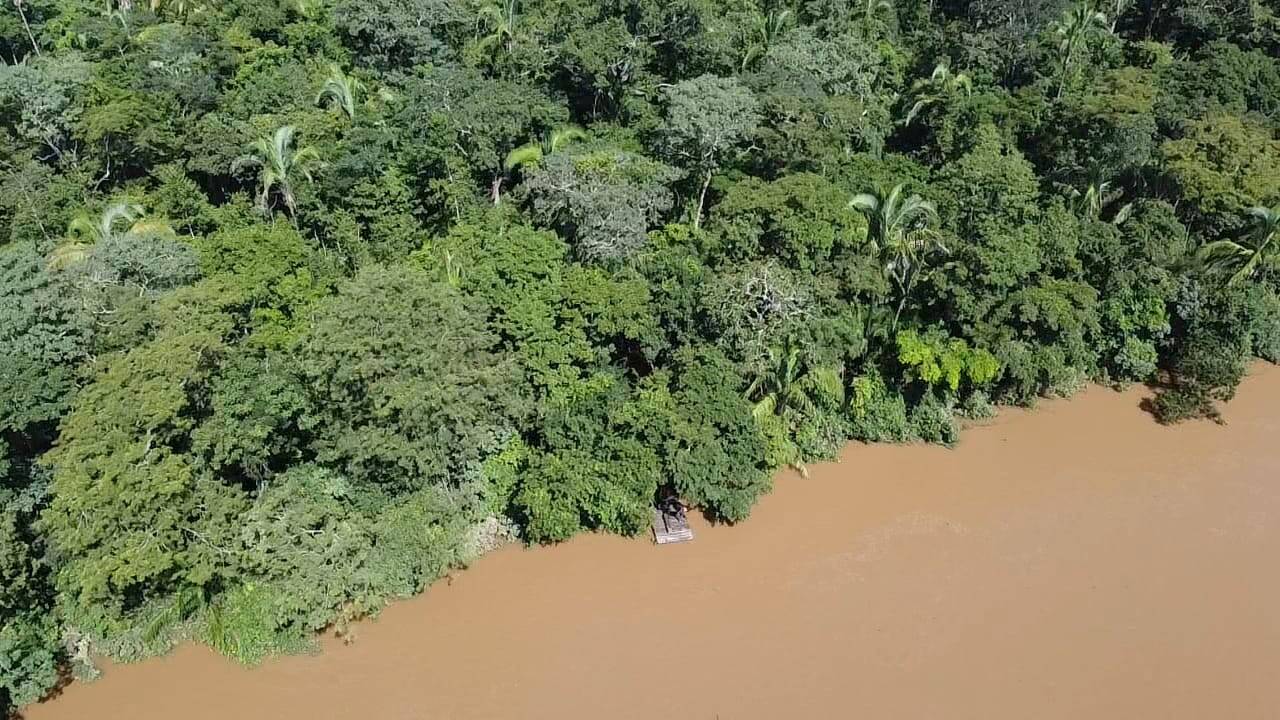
<point x="305" y="302"/>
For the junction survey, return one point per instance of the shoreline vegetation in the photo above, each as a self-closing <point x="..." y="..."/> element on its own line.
<point x="304" y="303"/>
<point x="878" y="573"/>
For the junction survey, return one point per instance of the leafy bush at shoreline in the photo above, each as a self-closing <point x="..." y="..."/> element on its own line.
<point x="304" y="303"/>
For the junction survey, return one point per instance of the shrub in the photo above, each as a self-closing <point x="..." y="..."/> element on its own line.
<point x="1264" y="325"/>
<point x="933" y="421"/>
<point x="29" y="658"/>
<point x="1206" y="370"/>
<point x="719" y="458"/>
<point x="876" y="413"/>
<point x="821" y="436"/>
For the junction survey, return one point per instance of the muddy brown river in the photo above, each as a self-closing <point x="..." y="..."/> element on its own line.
<point x="1078" y="561"/>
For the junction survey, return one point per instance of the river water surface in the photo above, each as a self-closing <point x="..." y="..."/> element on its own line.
<point x="1078" y="561"/>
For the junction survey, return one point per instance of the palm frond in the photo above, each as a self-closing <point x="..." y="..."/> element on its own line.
<point x="865" y="202"/>
<point x="343" y="89"/>
<point x="115" y="214"/>
<point x="528" y="154"/>
<point x="66" y="254"/>
<point x="825" y="385"/>
<point x="562" y="136"/>
<point x="153" y="226"/>
<point x="765" y="407"/>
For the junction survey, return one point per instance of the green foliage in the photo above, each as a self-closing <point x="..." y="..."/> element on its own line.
<point x="1207" y="366"/>
<point x="605" y="201"/>
<point x="560" y="319"/>
<point x="1134" y="326"/>
<point x="708" y="118"/>
<point x="394" y="34"/>
<point x="800" y="219"/>
<point x="272" y="271"/>
<point x="309" y="555"/>
<point x="876" y="413"/>
<point x="47" y="334"/>
<point x="30" y="648"/>
<point x="30" y="656"/>
<point x="933" y="421"/>
<point x="404" y="387"/>
<point x="601" y="465"/>
<point x="1264" y="315"/>
<point x="252" y="430"/>
<point x="462" y="127"/>
<point x="127" y="503"/>
<point x="1224" y="165"/>
<point x="718" y="457"/>
<point x="539" y="262"/>
<point x="942" y="363"/>
<point x="991" y="185"/>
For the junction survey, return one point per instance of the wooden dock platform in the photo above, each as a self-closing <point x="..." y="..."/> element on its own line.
<point x="671" y="527"/>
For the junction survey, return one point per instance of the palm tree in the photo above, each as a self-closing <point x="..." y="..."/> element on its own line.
<point x="121" y="15"/>
<point x="279" y="165"/>
<point x="86" y="230"/>
<point x="790" y="384"/>
<point x="900" y="234"/>
<point x="870" y="10"/>
<point x="1258" y="255"/>
<point x="530" y="154"/>
<point x="1097" y="196"/>
<point x="499" y="21"/>
<point x="1073" y="31"/>
<point x="1121" y="7"/>
<point x="179" y="7"/>
<point x="764" y="31"/>
<point x="940" y="85"/>
<point x="305" y="8"/>
<point x="342" y="89"/>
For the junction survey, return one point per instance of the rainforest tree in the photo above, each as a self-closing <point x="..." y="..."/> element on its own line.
<point x="303" y="304"/>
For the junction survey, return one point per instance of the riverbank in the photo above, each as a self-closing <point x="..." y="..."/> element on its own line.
<point x="1074" y="561"/>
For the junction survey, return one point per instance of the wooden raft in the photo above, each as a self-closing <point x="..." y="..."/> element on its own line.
<point x="671" y="526"/>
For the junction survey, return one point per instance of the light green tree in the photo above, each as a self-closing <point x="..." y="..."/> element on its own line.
<point x="708" y="117"/>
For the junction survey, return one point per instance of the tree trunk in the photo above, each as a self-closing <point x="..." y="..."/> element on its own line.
<point x="26" y="26"/>
<point x="1062" y="77"/>
<point x="904" y="287"/>
<point x="898" y="315"/>
<point x="702" y="199"/>
<point x="495" y="190"/>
